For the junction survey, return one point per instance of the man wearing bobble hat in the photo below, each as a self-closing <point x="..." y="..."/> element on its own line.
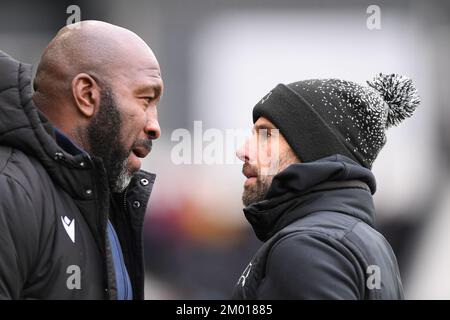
<point x="308" y="193"/>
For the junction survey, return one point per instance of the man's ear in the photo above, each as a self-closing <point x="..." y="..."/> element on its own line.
<point x="86" y="94"/>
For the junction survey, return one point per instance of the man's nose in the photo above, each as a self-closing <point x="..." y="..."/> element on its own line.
<point x="152" y="129"/>
<point x="242" y="152"/>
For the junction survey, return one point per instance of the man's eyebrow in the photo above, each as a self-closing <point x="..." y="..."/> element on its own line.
<point x="263" y="127"/>
<point x="156" y="87"/>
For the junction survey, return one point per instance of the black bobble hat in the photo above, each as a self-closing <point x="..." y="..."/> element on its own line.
<point x="319" y="118"/>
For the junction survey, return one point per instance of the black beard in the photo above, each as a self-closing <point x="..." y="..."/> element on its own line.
<point x="103" y="134"/>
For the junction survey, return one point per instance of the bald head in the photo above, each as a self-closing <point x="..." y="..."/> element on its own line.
<point x="100" y="84"/>
<point x="97" y="48"/>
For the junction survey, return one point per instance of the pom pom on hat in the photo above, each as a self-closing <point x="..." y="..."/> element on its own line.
<point x="399" y="94"/>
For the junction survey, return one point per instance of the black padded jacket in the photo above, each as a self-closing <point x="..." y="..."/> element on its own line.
<point x="54" y="207"/>
<point x="319" y="242"/>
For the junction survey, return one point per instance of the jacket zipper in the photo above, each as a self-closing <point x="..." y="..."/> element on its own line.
<point x="126" y="212"/>
<point x="125" y="200"/>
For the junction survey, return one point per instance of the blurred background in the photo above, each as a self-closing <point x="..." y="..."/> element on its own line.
<point x="218" y="58"/>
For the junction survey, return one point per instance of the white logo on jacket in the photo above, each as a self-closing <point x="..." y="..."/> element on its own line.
<point x="69" y="226"/>
<point x="245" y="274"/>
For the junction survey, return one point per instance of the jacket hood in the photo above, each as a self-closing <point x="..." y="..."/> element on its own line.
<point x="24" y="127"/>
<point x="335" y="183"/>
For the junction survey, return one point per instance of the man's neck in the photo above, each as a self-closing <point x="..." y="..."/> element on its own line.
<point x="68" y="144"/>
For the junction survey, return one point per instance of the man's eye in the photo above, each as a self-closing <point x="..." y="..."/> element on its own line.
<point x="148" y="99"/>
<point x="266" y="133"/>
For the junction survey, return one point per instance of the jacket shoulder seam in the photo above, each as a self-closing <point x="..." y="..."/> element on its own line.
<point x="12" y="178"/>
<point x="347" y="230"/>
<point x="351" y="229"/>
<point x="305" y="233"/>
<point x="17" y="182"/>
<point x="302" y="233"/>
<point x="6" y="160"/>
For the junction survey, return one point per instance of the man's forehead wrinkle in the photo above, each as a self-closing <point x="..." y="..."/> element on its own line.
<point x="124" y="73"/>
<point x="138" y="82"/>
<point x="150" y="70"/>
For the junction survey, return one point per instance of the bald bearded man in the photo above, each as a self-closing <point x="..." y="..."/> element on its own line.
<point x="73" y="197"/>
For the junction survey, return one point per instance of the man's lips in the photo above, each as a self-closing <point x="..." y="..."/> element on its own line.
<point x="141" y="148"/>
<point x="141" y="152"/>
<point x="250" y="173"/>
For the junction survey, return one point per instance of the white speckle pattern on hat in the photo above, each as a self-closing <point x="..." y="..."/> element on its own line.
<point x="358" y="114"/>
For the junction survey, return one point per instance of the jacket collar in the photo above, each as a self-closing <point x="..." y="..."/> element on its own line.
<point x="334" y="183"/>
<point x="66" y="144"/>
